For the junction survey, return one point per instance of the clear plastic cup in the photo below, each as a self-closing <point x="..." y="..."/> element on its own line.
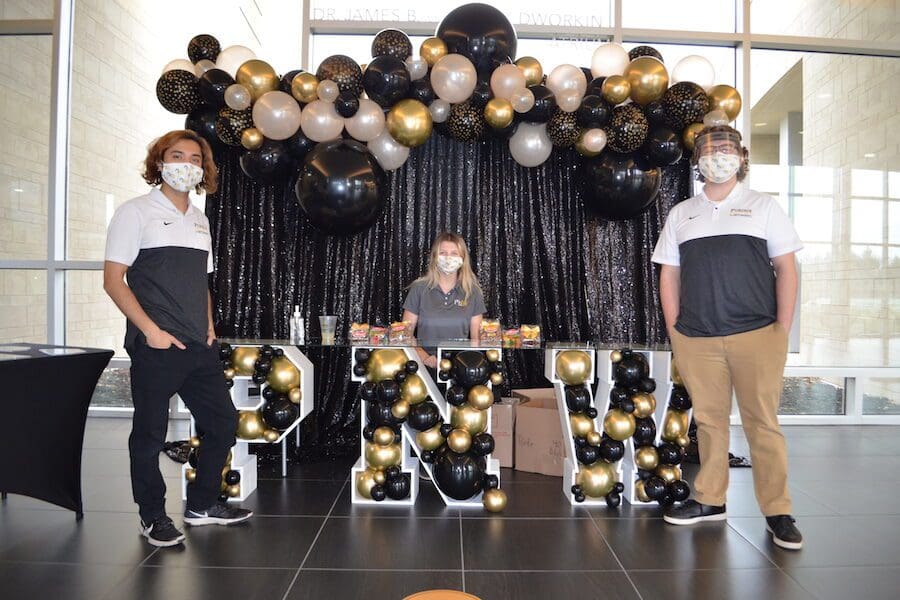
<point x="327" y="323"/>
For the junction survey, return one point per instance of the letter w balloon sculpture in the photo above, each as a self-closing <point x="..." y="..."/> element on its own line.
<point x="628" y="118"/>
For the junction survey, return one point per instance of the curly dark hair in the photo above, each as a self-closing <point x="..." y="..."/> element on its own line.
<point x="157" y="149"/>
<point x="745" y="154"/>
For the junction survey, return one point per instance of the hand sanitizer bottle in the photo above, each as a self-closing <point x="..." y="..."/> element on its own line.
<point x="298" y="329"/>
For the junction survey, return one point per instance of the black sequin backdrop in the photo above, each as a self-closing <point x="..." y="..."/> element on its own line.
<point x="538" y="258"/>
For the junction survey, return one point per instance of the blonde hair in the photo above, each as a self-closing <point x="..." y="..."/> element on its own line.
<point x="432" y="276"/>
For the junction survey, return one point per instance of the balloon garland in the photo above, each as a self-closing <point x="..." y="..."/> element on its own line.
<point x="628" y="115"/>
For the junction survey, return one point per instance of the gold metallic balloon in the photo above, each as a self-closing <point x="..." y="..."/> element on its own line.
<point x="250" y="425"/>
<point x="244" y="359"/>
<point x="379" y="476"/>
<point x="445" y="365"/>
<point x="190" y="475"/>
<point x="494" y="500"/>
<point x="195" y="442"/>
<point x="400" y="409"/>
<point x="295" y="395"/>
<point x="233" y="491"/>
<point x="573" y="367"/>
<point x="725" y="98"/>
<point x="598" y="479"/>
<point x="283" y="376"/>
<point x="480" y="397"/>
<point x="532" y="69"/>
<point x="594" y="438"/>
<point x="498" y="113"/>
<point x="432" y="50"/>
<point x="618" y="424"/>
<point x="581" y="424"/>
<point x="413" y="389"/>
<point x="669" y="473"/>
<point x="644" y="405"/>
<point x="646" y="457"/>
<point x="640" y="492"/>
<point x="683" y="441"/>
<point x="365" y="481"/>
<point x="430" y="439"/>
<point x="496" y="378"/>
<point x="690" y="135"/>
<point x="383" y="456"/>
<point x="252" y="138"/>
<point x="471" y="419"/>
<point x="459" y="440"/>
<point x="615" y="89"/>
<point x="409" y="122"/>
<point x="675" y="425"/>
<point x="304" y="87"/>
<point x="258" y="77"/>
<point x="384" y="364"/>
<point x="492" y="355"/>
<point x="615" y="356"/>
<point x="383" y="436"/>
<point x="648" y="79"/>
<point x="229" y="373"/>
<point x="270" y="435"/>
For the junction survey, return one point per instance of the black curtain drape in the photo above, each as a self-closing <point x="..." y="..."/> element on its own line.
<point x="538" y="257"/>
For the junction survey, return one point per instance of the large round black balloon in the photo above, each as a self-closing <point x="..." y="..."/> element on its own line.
<point x="423" y="415"/>
<point x="287" y="80"/>
<point x="544" y="105"/>
<point x="368" y="391"/>
<point x="617" y="395"/>
<point x="460" y="476"/>
<point x="588" y="454"/>
<point x="482" y="444"/>
<point x="456" y="395"/>
<point x="203" y="47"/>
<point x="178" y="91"/>
<point x="470" y="368"/>
<point x="421" y="90"/>
<point x="392" y="42"/>
<point x="644" y="432"/>
<point x="611" y="450"/>
<point x="346" y="105"/>
<point x="279" y="413"/>
<point x="269" y="163"/>
<point x="684" y="103"/>
<point x="662" y="146"/>
<point x="655" y="487"/>
<point x="298" y="145"/>
<point x="386" y="80"/>
<point x="341" y="187"/>
<point x="231" y="123"/>
<point x="578" y="398"/>
<point x="465" y="123"/>
<point x="670" y="454"/>
<point x="397" y="488"/>
<point x="203" y="121"/>
<point x="479" y="32"/>
<point x="680" y="490"/>
<point x="379" y="414"/>
<point x="388" y="391"/>
<point x="593" y="112"/>
<point x="616" y="187"/>
<point x="342" y="70"/>
<point x="630" y="370"/>
<point x="212" y="86"/>
<point x="680" y="399"/>
<point x="627" y="128"/>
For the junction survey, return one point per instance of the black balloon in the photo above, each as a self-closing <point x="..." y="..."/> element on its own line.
<point x="392" y="472"/>
<point x="579" y="497"/>
<point x="203" y="47"/>
<point x="421" y="90"/>
<point x="466" y="122"/>
<point x="595" y="87"/>
<point x="627" y="405"/>
<point x="679" y="490"/>
<point x="562" y="129"/>
<point x="666" y="499"/>
<point x="470" y="368"/>
<point x="580" y="441"/>
<point x="481" y="33"/>
<point x="578" y="398"/>
<point x="342" y="70"/>
<point x="379" y="414"/>
<point x="232" y="477"/>
<point x="456" y="395"/>
<point x="481" y="95"/>
<point x="368" y="391"/>
<point x="341" y="187"/>
<point x="655" y="113"/>
<point x="400" y="376"/>
<point x="619" y="487"/>
<point x="423" y="415"/>
<point x="411" y="367"/>
<point x="587" y="454"/>
<point x="279" y="413"/>
<point x="611" y="450"/>
<point x="427" y="456"/>
<point x="387" y="390"/>
<point x="397" y="488"/>
<point x="593" y="112"/>
<point x="685" y="103"/>
<point x="644" y="432"/>
<point x="298" y="145"/>
<point x="446" y="428"/>
<point x="231" y="123"/>
<point x="178" y="91"/>
<point x="544" y="105"/>
<point x="670" y="454"/>
<point x="378" y="492"/>
<point x="482" y="444"/>
<point x="212" y="86"/>
<point x="662" y="146"/>
<point x="346" y="105"/>
<point x="203" y="121"/>
<point x="392" y="42"/>
<point x="368" y="431"/>
<point x="386" y="80"/>
<point x="258" y="378"/>
<point x="194" y="457"/>
<point x="679" y="398"/>
<point x="362" y="355"/>
<point x="460" y="476"/>
<point x="591" y="412"/>
<point x="617" y="187"/>
<point x="627" y="128"/>
<point x="269" y="163"/>
<point x="287" y="80"/>
<point x="655" y="487"/>
<point x="491" y="482"/>
<point x="647" y="385"/>
<point x="617" y="394"/>
<point x="268" y="393"/>
<point x="613" y="500"/>
<point x="644" y="51"/>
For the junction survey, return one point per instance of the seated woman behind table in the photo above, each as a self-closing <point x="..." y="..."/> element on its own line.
<point x="446" y="302"/>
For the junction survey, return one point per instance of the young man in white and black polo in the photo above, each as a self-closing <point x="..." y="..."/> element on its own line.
<point x="162" y="244"/>
<point x="728" y="285"/>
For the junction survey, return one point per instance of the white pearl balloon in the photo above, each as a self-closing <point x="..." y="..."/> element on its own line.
<point x="203" y="66"/>
<point x="417" y="67"/>
<point x="609" y="59"/>
<point x="440" y="110"/>
<point x="231" y="58"/>
<point x="594" y="140"/>
<point x="567" y="80"/>
<point x="715" y="117"/>
<point x="328" y="90"/>
<point x="530" y="145"/>
<point x="454" y="78"/>
<point x="522" y="100"/>
<point x="181" y="64"/>
<point x="388" y="152"/>
<point x="320" y="121"/>
<point x="368" y="122"/>
<point x="237" y="97"/>
<point x="277" y="115"/>
<point x="694" y="68"/>
<point x="568" y="101"/>
<point x="507" y="80"/>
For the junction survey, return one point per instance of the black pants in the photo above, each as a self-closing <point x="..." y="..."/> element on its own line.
<point x="196" y="375"/>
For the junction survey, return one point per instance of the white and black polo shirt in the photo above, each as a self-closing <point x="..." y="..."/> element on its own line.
<point x="724" y="250"/>
<point x="169" y="254"/>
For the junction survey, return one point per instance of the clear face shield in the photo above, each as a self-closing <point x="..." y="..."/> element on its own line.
<point x="718" y="155"/>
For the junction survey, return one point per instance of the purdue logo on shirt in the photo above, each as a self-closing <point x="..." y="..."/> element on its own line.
<point x="459" y="302"/>
<point x="200" y="228"/>
<point x="741" y="212"/>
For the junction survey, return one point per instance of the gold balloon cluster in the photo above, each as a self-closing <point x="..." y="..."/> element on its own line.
<point x="573" y="367"/>
<point x="597" y="480"/>
<point x="230" y="490"/>
<point x="284" y="377"/>
<point x="675" y="427"/>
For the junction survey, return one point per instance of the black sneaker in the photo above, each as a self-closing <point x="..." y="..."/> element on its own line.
<point x="217" y="514"/>
<point x="691" y="511"/>
<point x="161" y="532"/>
<point x="784" y="533"/>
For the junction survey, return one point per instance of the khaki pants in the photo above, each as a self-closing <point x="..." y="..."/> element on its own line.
<point x="753" y="364"/>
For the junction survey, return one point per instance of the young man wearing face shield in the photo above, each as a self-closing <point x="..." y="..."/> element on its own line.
<point x="728" y="284"/>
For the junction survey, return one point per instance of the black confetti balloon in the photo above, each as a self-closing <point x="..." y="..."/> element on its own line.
<point x="392" y="42"/>
<point x="203" y="47"/>
<point x="178" y="91"/>
<point x="231" y="123"/>
<point x="644" y="51"/>
<point x="627" y="128"/>
<point x="562" y="129"/>
<point x="344" y="71"/>
<point x="465" y="122"/>
<point x="684" y="103"/>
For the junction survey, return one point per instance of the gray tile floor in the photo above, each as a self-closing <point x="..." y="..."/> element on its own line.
<point x="308" y="541"/>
